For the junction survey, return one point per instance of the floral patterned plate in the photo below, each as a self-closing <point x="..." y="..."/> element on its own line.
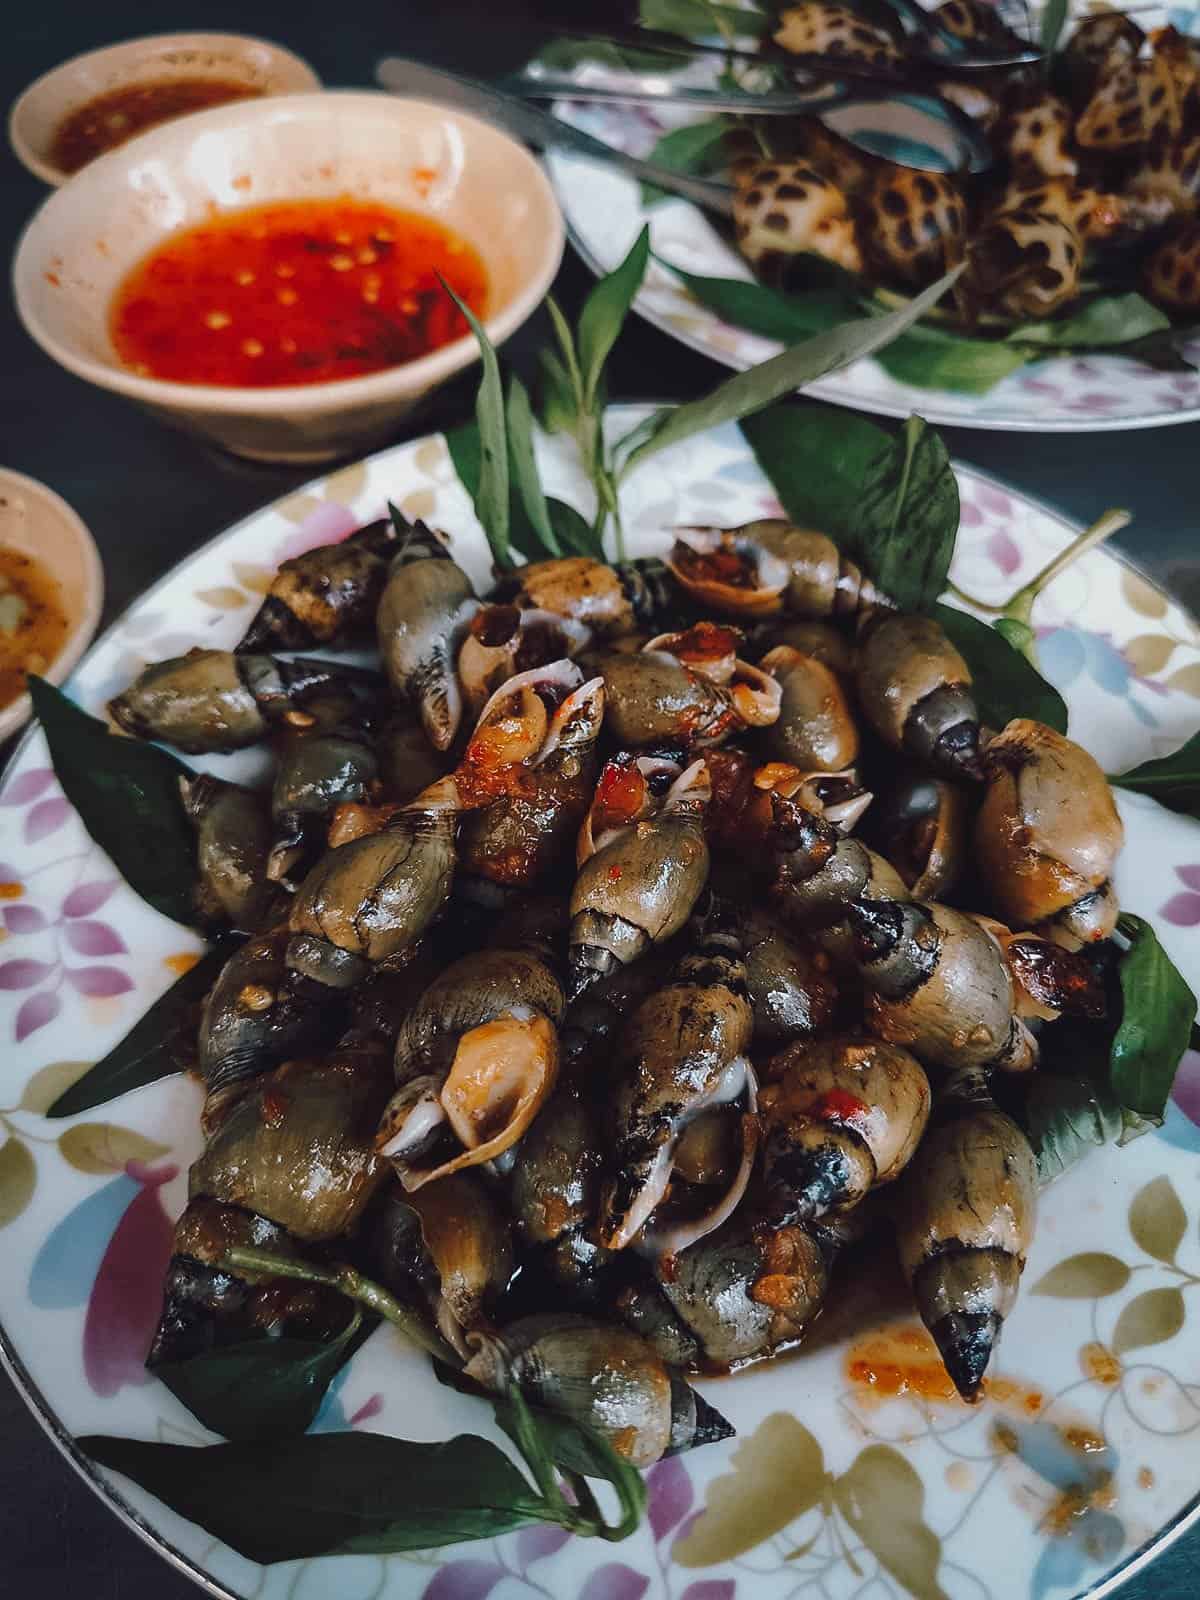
<point x="1083" y="1456"/>
<point x="1067" y="394"/>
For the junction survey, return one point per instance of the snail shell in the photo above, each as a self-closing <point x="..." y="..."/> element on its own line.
<point x="785" y="209"/>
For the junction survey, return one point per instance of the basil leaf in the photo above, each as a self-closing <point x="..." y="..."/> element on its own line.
<point x="1065" y="1118"/>
<point x="748" y="392"/>
<point x="891" y="503"/>
<point x="1054" y="19"/>
<point x="570" y="528"/>
<point x="1113" y="319"/>
<point x="1174" y="780"/>
<point x="929" y="358"/>
<point x="524" y="465"/>
<point x="491" y="491"/>
<point x="263" y="1388"/>
<point x="1156" y="1025"/>
<point x="698" y="19"/>
<point x="330" y="1493"/>
<point x="126" y="792"/>
<point x="1004" y="683"/>
<point x="604" y="312"/>
<point x="160" y="1043"/>
<point x="558" y="410"/>
<point x="698" y="147"/>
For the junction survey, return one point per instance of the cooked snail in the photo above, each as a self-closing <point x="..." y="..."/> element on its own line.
<point x="326" y="596"/>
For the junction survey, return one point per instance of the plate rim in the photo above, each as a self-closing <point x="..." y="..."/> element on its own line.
<point x="11" y="1363"/>
<point x="820" y="389"/>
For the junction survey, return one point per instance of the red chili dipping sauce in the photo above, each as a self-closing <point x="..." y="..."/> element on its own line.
<point x="295" y="292"/>
<point x="110" y="119"/>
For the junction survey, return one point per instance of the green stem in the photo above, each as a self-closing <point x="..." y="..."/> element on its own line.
<point x="1020" y="605"/>
<point x="351" y="1283"/>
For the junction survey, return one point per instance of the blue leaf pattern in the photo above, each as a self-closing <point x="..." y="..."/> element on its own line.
<point x="65" y="1268"/>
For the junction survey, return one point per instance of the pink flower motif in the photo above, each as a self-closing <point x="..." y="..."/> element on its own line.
<point x="27" y="786"/>
<point x="969" y="515"/>
<point x="1186" y="1091"/>
<point x="1003" y="549"/>
<point x="87" y="898"/>
<point x="23" y="974"/>
<point x="46" y="818"/>
<point x="1183" y="910"/>
<point x="126" y="1298"/>
<point x="24" y="919"/>
<point x="95" y="939"/>
<point x="669" y="1496"/>
<point x="994" y="500"/>
<point x="329" y="523"/>
<point x="35" y="1013"/>
<point x="1050" y="391"/>
<point x="367" y="1411"/>
<point x="98" y="983"/>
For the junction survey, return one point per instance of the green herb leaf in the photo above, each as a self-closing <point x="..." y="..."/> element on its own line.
<point x="699" y="19"/>
<point x="748" y="392"/>
<point x="565" y="54"/>
<point x="158" y="1045"/>
<point x="331" y="1493"/>
<point x="573" y="530"/>
<point x="929" y="358"/>
<point x="491" y="494"/>
<point x="126" y="792"/>
<point x="1160" y="351"/>
<point x="1004" y="683"/>
<point x="1111" y="320"/>
<point x="558" y="409"/>
<point x="604" y="312"/>
<point x="263" y="1388"/>
<point x="1156" y="1024"/>
<point x="1065" y="1118"/>
<point x="1054" y="19"/>
<point x="891" y="503"/>
<point x="524" y="465"/>
<point x="697" y="147"/>
<point x="570" y="528"/>
<point x="1174" y="780"/>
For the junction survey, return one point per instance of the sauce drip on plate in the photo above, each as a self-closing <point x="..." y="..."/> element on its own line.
<point x="295" y="292"/>
<point x="110" y="119"/>
<point x="33" y="625"/>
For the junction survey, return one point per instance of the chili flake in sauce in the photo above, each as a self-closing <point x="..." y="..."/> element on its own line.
<point x="108" y="120"/>
<point x="33" y="625"/>
<point x="295" y="292"/>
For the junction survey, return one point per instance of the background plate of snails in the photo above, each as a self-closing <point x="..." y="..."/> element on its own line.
<point x="1080" y="390"/>
<point x="1083" y="1454"/>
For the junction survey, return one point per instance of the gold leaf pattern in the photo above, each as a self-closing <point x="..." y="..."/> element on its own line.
<point x="778" y="1474"/>
<point x="1157" y="1219"/>
<point x="420" y="503"/>
<point x="1150" y="1318"/>
<point x="257" y="579"/>
<point x="105" y="1147"/>
<point x="297" y="506"/>
<point x="345" y="486"/>
<point x="44" y="1088"/>
<point x="883" y="1499"/>
<point x="1089" y="1276"/>
<point x="1149" y="653"/>
<point x="223" y="598"/>
<point x="429" y="456"/>
<point x="1145" y="599"/>
<point x="1186" y="680"/>
<point x="18" y="1179"/>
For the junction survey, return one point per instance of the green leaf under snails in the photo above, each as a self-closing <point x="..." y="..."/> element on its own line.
<point x="1156" y="1024"/>
<point x="1104" y="323"/>
<point x="1005" y="684"/>
<point x="1174" y="780"/>
<point x="126" y="793"/>
<point x="1065" y="1118"/>
<point x="155" y="1047"/>
<point x="697" y="148"/>
<point x="263" y="1388"/>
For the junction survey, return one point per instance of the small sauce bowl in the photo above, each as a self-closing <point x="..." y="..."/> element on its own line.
<point x="39" y="113"/>
<point x="36" y="522"/>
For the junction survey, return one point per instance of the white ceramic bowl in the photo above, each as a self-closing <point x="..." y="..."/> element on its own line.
<point x="410" y="154"/>
<point x="39" y="523"/>
<point x="35" y="117"/>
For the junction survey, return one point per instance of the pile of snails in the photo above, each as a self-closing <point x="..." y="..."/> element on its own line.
<point x="608" y="954"/>
<point x="1098" y="173"/>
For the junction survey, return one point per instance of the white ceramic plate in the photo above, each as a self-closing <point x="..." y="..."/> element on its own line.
<point x="1066" y="394"/>
<point x="885" y="1498"/>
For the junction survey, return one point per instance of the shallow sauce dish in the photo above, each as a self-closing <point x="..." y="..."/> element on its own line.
<point x="829" y="1488"/>
<point x="37" y="523"/>
<point x="404" y="154"/>
<point x="39" y="113"/>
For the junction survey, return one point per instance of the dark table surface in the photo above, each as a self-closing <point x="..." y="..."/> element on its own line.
<point x="150" y="496"/>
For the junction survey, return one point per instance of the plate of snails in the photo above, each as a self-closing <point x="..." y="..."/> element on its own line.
<point x="1082" y="287"/>
<point x="608" y="968"/>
